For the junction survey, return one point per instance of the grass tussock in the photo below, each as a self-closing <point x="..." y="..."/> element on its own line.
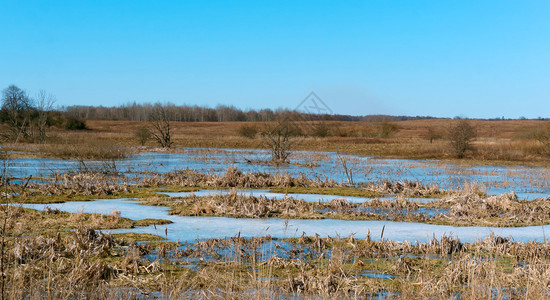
<point x="238" y="206"/>
<point x="232" y="178"/>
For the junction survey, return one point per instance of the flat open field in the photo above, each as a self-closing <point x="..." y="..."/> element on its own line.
<point x="496" y="142"/>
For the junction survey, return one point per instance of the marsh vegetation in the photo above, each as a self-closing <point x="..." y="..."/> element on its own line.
<point x="206" y="222"/>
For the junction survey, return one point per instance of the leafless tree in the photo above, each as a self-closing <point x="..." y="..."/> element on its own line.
<point x="279" y="136"/>
<point x="161" y="127"/>
<point x="461" y="136"/>
<point x="17" y="105"/>
<point x="44" y="104"/>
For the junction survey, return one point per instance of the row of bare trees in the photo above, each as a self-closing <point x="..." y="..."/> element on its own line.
<point x="177" y="113"/>
<point x="221" y="113"/>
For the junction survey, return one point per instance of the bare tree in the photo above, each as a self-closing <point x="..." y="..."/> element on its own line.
<point x="461" y="136"/>
<point x="161" y="127"/>
<point x="17" y="105"/>
<point x="44" y="104"/>
<point x="279" y="138"/>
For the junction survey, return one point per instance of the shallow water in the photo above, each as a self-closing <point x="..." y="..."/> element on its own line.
<point x="377" y="275"/>
<point x="527" y="182"/>
<point x="191" y="228"/>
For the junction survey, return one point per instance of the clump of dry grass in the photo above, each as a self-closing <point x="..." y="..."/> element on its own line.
<point x="234" y="205"/>
<point x="22" y="221"/>
<point x="405" y="187"/>
<point x="232" y="178"/>
<point x="499" y="210"/>
<point x="59" y="267"/>
<point x="464" y="207"/>
<point x="89" y="183"/>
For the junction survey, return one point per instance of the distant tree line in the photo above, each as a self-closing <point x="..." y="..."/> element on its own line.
<point x="221" y="113"/>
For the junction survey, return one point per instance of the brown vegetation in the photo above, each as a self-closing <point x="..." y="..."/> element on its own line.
<point x="87" y="264"/>
<point x="41" y="262"/>
<point x="500" y="141"/>
<point x="461" y="136"/>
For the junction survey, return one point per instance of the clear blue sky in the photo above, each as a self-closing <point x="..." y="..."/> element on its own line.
<point x="439" y="58"/>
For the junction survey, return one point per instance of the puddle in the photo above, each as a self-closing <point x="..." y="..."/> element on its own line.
<point x="192" y="228"/>
<point x="376" y="275"/>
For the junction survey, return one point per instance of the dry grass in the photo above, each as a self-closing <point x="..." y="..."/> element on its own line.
<point x="459" y="208"/>
<point x="238" y="206"/>
<point x="466" y="206"/>
<point x="232" y="178"/>
<point x="46" y="263"/>
<point x="496" y="142"/>
<point x="92" y="265"/>
<point x="86" y="264"/>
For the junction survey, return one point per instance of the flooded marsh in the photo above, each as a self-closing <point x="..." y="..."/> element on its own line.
<point x="217" y="221"/>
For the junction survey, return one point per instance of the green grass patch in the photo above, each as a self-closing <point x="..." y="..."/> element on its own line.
<point x="339" y="191"/>
<point x="149" y="221"/>
<point x="133" y="237"/>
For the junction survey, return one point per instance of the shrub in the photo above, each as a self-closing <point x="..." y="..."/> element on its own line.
<point x="143" y="134"/>
<point x="542" y="135"/>
<point x="248" y="131"/>
<point x="461" y="136"/>
<point x="161" y="126"/>
<point x="74" y="124"/>
<point x="320" y="130"/>
<point x="433" y="134"/>
<point x="279" y="138"/>
<point x="387" y="129"/>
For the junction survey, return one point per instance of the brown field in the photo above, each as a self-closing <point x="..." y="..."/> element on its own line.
<point x="496" y="142"/>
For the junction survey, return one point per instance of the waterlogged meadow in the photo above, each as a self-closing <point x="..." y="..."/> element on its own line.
<point x="218" y="223"/>
<point x="529" y="182"/>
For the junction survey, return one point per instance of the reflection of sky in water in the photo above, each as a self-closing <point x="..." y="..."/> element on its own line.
<point x="190" y="228"/>
<point x="498" y="179"/>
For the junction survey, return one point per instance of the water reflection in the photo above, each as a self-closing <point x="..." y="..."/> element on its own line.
<point x="191" y="228"/>
<point x="527" y="182"/>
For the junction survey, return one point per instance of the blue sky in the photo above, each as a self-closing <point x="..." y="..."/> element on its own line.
<point x="439" y="58"/>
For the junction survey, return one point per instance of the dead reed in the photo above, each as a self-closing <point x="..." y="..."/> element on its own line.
<point x="86" y="263"/>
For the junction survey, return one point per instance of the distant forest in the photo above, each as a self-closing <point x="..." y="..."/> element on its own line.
<point x="221" y="113"/>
